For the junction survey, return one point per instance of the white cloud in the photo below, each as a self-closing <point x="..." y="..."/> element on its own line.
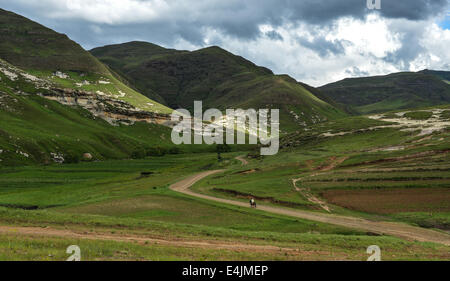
<point x="436" y="41"/>
<point x="106" y="11"/>
<point x="370" y="44"/>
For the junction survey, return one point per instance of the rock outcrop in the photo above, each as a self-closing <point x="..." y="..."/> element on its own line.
<point x="112" y="110"/>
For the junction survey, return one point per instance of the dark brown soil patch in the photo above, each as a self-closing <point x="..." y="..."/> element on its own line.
<point x="391" y="200"/>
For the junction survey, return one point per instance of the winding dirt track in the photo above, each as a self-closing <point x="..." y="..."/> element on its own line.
<point x="242" y="159"/>
<point x="389" y="228"/>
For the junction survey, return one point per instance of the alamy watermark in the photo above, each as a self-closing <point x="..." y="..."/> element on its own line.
<point x="209" y="127"/>
<point x="374" y="4"/>
<point x="75" y="253"/>
<point x="375" y="253"/>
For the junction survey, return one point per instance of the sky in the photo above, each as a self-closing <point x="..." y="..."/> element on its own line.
<point x="314" y="41"/>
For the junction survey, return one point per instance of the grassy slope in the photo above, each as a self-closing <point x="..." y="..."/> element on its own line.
<point x="390" y="92"/>
<point x="215" y="76"/>
<point x="28" y="44"/>
<point x="42" y="51"/>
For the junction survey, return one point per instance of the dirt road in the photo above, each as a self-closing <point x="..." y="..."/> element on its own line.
<point x="305" y="192"/>
<point x="242" y="159"/>
<point x="389" y="228"/>
<point x="66" y="233"/>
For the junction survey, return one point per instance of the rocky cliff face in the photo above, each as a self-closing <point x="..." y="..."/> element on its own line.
<point x="113" y="111"/>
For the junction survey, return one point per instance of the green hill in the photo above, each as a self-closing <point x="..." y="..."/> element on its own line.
<point x="391" y="92"/>
<point x="47" y="54"/>
<point x="444" y="75"/>
<point x="29" y="45"/>
<point x="35" y="129"/>
<point x="218" y="78"/>
<point x="43" y="72"/>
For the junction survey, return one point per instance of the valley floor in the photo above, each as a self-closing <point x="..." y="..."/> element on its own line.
<point x="328" y="195"/>
<point x="133" y="218"/>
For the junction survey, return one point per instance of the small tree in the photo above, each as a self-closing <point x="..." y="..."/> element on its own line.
<point x="139" y="153"/>
<point x="222" y="148"/>
<point x="72" y="157"/>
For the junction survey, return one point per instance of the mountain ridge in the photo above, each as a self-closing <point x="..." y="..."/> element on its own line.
<point x="218" y="78"/>
<point x="394" y="91"/>
<point x="30" y="45"/>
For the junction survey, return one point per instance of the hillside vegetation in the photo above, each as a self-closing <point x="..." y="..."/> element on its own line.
<point x="30" y="45"/>
<point x="37" y="63"/>
<point x="216" y="77"/>
<point x="34" y="129"/>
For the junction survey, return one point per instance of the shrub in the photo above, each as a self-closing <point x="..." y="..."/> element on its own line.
<point x="138" y="154"/>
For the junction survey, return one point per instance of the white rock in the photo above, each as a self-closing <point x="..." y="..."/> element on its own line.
<point x="11" y="75"/>
<point x="30" y="77"/>
<point x="23" y="154"/>
<point x="61" y="75"/>
<point x="57" y="157"/>
<point x="87" y="156"/>
<point x="82" y="83"/>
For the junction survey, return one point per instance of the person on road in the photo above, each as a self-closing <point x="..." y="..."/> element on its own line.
<point x="252" y="203"/>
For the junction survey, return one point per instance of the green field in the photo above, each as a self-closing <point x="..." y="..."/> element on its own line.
<point x="116" y="189"/>
<point x="111" y="198"/>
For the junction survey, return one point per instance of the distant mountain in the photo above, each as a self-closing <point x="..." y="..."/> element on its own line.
<point x="217" y="77"/>
<point x="391" y="92"/>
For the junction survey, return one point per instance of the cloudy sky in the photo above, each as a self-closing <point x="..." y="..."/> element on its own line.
<point x="314" y="41"/>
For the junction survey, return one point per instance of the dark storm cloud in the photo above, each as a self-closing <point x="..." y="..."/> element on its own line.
<point x="356" y="72"/>
<point x="324" y="47"/>
<point x="237" y="18"/>
<point x="247" y="15"/>
<point x="319" y="12"/>
<point x="409" y="51"/>
<point x="94" y="35"/>
<point x="274" y="35"/>
<point x="238" y="25"/>
<point x="413" y="10"/>
<point x="411" y="47"/>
